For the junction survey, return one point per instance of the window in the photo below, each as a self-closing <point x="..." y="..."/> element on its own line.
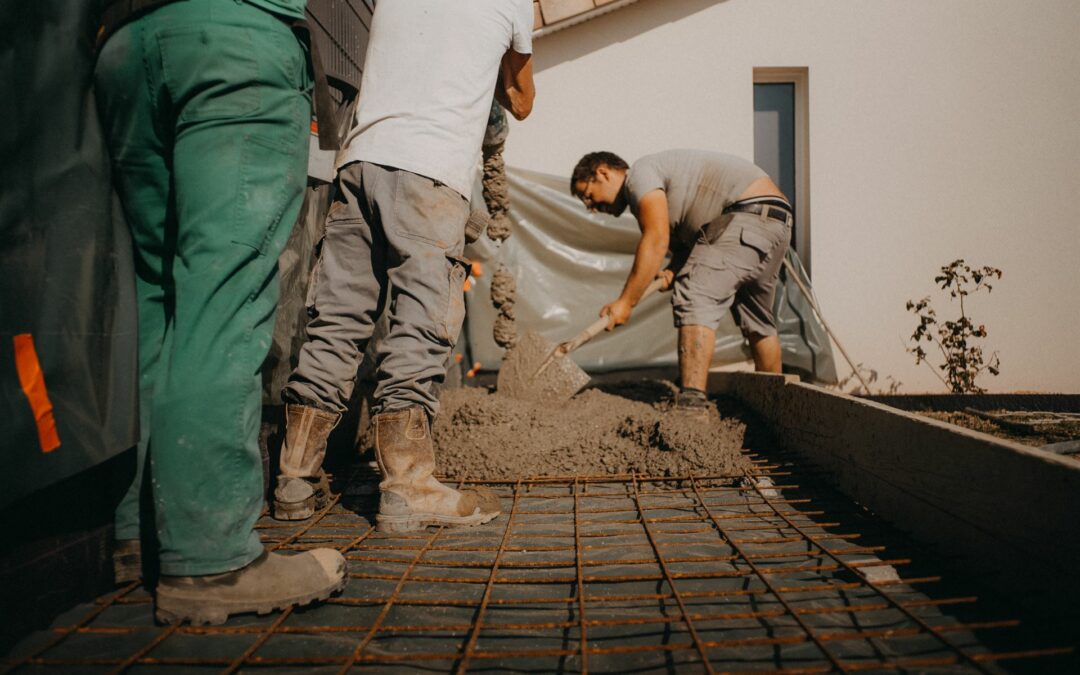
<point x="781" y="142"/>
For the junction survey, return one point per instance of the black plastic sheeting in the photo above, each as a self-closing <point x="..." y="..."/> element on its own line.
<point x="568" y="263"/>
<point x="66" y="274"/>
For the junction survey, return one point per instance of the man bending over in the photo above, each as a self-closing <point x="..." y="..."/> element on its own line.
<point x="727" y="226"/>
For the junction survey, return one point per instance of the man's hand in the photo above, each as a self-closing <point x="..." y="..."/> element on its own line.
<point x="668" y="276"/>
<point x="617" y="312"/>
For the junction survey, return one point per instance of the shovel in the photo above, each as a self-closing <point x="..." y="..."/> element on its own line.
<point x="536" y="370"/>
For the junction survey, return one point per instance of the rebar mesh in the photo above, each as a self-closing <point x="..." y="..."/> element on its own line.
<point x="602" y="574"/>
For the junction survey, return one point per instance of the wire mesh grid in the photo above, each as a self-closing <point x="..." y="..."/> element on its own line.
<point x="603" y="574"/>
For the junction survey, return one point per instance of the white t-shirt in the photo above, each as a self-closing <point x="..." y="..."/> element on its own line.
<point x="429" y="77"/>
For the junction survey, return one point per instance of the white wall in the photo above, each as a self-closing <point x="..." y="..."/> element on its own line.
<point x="938" y="129"/>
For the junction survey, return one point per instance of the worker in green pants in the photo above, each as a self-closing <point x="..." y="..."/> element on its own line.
<point x="206" y="106"/>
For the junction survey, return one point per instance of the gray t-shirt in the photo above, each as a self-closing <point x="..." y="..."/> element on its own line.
<point x="699" y="186"/>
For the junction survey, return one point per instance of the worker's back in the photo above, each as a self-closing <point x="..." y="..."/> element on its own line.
<point x="699" y="185"/>
<point x="429" y="77"/>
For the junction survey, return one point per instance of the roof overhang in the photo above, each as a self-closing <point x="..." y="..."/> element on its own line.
<point x="555" y="15"/>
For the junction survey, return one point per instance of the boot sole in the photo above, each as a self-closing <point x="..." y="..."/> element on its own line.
<point x="201" y="611"/>
<point x="418" y="521"/>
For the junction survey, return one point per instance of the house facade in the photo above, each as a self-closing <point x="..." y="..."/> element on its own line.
<point x="909" y="132"/>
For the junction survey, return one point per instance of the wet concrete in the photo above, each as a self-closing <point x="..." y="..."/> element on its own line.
<point x="496" y="194"/>
<point x="503" y="293"/>
<point x="531" y="372"/>
<point x="620" y="429"/>
<point x="497" y="200"/>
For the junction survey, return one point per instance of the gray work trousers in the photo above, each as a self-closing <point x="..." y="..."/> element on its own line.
<point x="390" y="233"/>
<point x="734" y="265"/>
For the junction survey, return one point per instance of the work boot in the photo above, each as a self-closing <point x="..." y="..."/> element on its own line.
<point x="302" y="486"/>
<point x="271" y="582"/>
<point x="692" y="403"/>
<point x="410" y="497"/>
<point x="127" y="561"/>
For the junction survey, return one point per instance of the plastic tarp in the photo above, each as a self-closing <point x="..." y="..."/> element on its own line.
<point x="65" y="254"/>
<point x="569" y="263"/>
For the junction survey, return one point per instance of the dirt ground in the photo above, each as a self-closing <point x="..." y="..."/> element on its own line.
<point x="615" y="429"/>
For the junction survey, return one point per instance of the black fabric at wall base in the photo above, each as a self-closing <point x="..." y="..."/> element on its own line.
<point x="65" y="254"/>
<point x="56" y="545"/>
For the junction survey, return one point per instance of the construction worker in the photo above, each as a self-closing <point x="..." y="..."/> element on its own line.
<point x="206" y="109"/>
<point x="394" y="239"/>
<point x="727" y="227"/>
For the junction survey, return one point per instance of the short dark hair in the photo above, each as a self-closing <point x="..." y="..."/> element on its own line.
<point x="587" y="166"/>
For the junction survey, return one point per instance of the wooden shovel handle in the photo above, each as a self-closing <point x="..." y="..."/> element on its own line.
<point x="596" y="327"/>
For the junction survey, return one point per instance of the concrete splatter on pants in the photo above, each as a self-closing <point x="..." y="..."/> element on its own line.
<point x="396" y="235"/>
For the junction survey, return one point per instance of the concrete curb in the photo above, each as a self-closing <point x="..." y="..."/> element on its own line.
<point x="1012" y="512"/>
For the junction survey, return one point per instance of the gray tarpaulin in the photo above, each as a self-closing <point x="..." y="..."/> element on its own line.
<point x="569" y="263"/>
<point x="65" y="256"/>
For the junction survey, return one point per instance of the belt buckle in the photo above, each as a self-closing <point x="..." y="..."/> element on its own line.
<point x="781" y="214"/>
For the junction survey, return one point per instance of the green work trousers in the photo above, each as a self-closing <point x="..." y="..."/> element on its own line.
<point x="206" y="106"/>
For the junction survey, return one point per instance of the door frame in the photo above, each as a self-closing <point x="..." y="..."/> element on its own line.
<point x="800" y="77"/>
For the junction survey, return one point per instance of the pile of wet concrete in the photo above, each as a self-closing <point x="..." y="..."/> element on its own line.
<point x="614" y="429"/>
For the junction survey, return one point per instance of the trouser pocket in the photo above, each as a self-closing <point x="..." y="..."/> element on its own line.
<point x="454" y="316"/>
<point x="314" y="280"/>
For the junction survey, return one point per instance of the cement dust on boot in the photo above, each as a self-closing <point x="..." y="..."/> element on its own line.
<point x="301" y="498"/>
<point x="271" y="582"/>
<point x="302" y="486"/>
<point x="692" y="405"/>
<point x="410" y="497"/>
<point x="127" y="561"/>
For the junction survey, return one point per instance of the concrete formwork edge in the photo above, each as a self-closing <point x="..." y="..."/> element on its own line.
<point x="1012" y="512"/>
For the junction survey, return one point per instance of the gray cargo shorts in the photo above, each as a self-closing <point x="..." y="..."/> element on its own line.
<point x="733" y="265"/>
<point x="393" y="239"/>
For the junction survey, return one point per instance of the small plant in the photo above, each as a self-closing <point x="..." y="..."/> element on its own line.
<point x="956" y="340"/>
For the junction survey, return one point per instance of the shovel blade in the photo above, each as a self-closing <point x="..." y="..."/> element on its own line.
<point x="519" y="377"/>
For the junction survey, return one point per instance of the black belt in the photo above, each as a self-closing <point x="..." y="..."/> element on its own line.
<point x="777" y="209"/>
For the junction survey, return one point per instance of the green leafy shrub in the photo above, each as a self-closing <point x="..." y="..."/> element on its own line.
<point x="957" y="340"/>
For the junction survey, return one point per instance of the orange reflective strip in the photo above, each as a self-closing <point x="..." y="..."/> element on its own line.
<point x="32" y="381"/>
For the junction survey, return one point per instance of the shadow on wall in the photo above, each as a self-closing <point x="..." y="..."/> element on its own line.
<point x="618" y="26"/>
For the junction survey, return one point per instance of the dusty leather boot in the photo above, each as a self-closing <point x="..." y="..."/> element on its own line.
<point x="127" y="561"/>
<point x="302" y="485"/>
<point x="692" y="404"/>
<point x="410" y="498"/>
<point x="271" y="582"/>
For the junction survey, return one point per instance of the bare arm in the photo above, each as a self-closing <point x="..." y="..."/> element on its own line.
<point x="515" y="90"/>
<point x="651" y="249"/>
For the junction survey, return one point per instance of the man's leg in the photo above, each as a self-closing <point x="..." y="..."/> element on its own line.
<point x="346" y="291"/>
<point x="424" y="224"/>
<point x="766" y="351"/>
<point x="696" y="345"/>
<point x="703" y="292"/>
<point x="239" y="166"/>
<point x="345" y="294"/>
<point x="143" y="182"/>
<point x="231" y="84"/>
<point x="753" y="306"/>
